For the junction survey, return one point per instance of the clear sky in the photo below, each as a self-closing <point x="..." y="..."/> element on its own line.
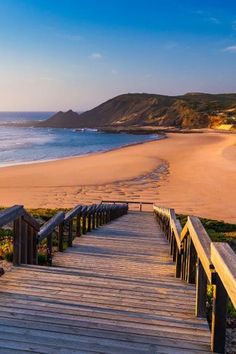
<point x="61" y="54"/>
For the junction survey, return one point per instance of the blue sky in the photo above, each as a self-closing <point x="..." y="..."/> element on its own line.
<point x="61" y="54"/>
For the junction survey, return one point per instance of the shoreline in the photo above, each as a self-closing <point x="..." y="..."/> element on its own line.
<point x="193" y="173"/>
<point x="158" y="137"/>
<point x="162" y="133"/>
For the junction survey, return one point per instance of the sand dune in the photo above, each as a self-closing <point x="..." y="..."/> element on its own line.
<point x="194" y="173"/>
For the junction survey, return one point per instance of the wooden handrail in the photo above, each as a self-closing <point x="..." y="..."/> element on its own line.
<point x="50" y="225"/>
<point x="201" y="261"/>
<point x="126" y="202"/>
<point x="72" y="213"/>
<point x="202" y="244"/>
<point x="28" y="233"/>
<point x="140" y="203"/>
<point x="224" y="261"/>
<point x="173" y="223"/>
<point x="10" y="214"/>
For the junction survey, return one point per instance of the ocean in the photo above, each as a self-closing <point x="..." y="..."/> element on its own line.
<point x="20" y="145"/>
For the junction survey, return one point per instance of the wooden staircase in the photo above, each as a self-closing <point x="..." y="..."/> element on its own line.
<point x="135" y="285"/>
<point x="114" y="291"/>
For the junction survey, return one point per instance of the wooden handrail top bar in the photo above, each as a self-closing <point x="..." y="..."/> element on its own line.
<point x="49" y="226"/>
<point x="84" y="210"/>
<point x="72" y="213"/>
<point x="174" y="223"/>
<point x="224" y="260"/>
<point x="163" y="211"/>
<point x="202" y="243"/>
<point x="10" y="214"/>
<point x="176" y="227"/>
<point x="90" y="209"/>
<point x="127" y="202"/>
<point x="96" y="206"/>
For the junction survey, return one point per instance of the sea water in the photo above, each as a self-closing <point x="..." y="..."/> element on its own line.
<point x="24" y="145"/>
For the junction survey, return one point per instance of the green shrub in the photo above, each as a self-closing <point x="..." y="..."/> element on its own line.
<point x="42" y="259"/>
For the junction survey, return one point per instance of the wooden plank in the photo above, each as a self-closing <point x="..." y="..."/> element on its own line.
<point x="96" y="333"/>
<point x="89" y="344"/>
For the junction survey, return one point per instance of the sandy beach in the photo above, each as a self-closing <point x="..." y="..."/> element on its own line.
<point x="193" y="173"/>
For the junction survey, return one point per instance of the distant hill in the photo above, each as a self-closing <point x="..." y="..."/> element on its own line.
<point x="61" y="119"/>
<point x="192" y="110"/>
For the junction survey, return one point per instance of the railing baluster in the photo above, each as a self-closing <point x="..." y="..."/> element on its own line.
<point x="49" y="250"/>
<point x="201" y="291"/>
<point x="17" y="241"/>
<point x="84" y="221"/>
<point x="89" y="221"/>
<point x="191" y="264"/>
<point x="34" y="247"/>
<point x="24" y="227"/>
<point x="78" y="225"/>
<point x="30" y="245"/>
<point x="70" y="233"/>
<point x="178" y="263"/>
<point x="60" y="237"/>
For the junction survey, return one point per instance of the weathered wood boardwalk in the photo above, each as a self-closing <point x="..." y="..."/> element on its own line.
<point x="115" y="291"/>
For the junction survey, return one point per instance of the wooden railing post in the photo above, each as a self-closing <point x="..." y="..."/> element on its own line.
<point x="35" y="247"/>
<point x="174" y="247"/>
<point x="99" y="218"/>
<point x="184" y="259"/>
<point x="78" y="225"/>
<point x="29" y="245"/>
<point x="60" y="237"/>
<point x="171" y="243"/>
<point x="70" y="233"/>
<point x="219" y="313"/>
<point x="24" y="227"/>
<point x="178" y="263"/>
<point x="17" y="241"/>
<point x="191" y="271"/>
<point x="49" y="250"/>
<point x="108" y="214"/>
<point x="201" y="291"/>
<point x="94" y="219"/>
<point x="84" y="221"/>
<point x="89" y="221"/>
